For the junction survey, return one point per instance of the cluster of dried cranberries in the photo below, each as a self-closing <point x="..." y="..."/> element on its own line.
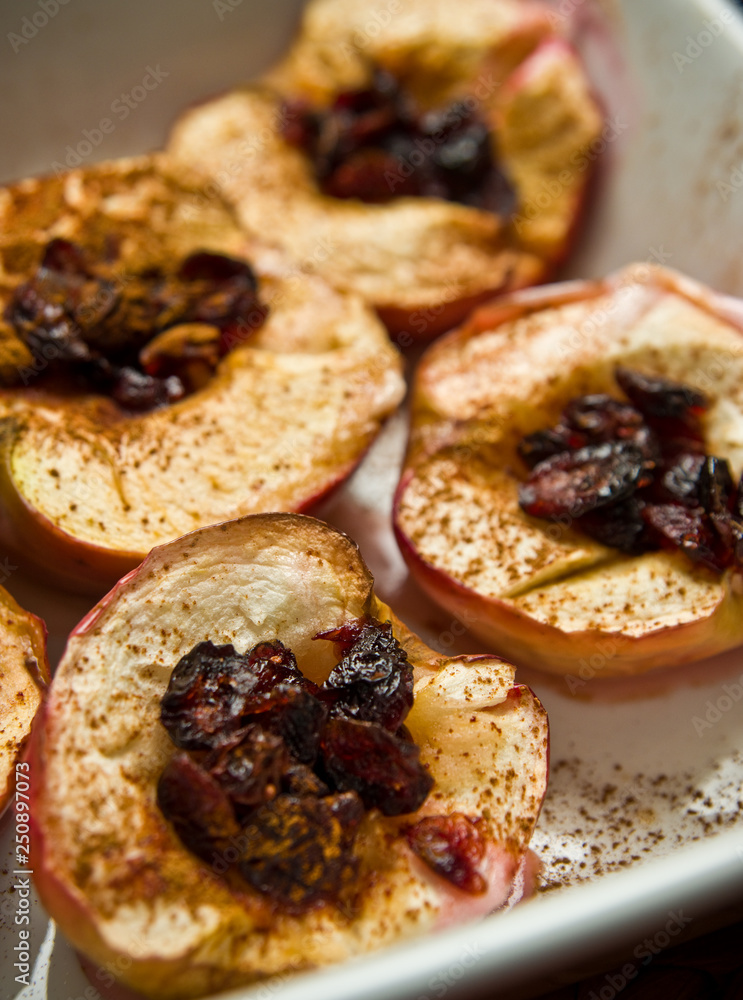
<point x="375" y="145"/>
<point x="284" y="769"/>
<point x="635" y="475"/>
<point x="145" y="339"/>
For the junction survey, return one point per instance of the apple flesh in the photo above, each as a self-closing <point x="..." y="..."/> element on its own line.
<point x="108" y="866"/>
<point x="87" y="489"/>
<point x="539" y="591"/>
<point x="423" y="263"/>
<point x="23" y="681"/>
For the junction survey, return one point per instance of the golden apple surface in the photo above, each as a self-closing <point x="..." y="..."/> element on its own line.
<point x="109" y="867"/>
<point x="86" y="488"/>
<point x="421" y="261"/>
<point x="540" y="591"/>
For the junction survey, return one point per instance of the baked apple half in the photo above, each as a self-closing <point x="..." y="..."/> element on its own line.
<point x="24" y="675"/>
<point x="248" y="766"/>
<point x="161" y="371"/>
<point x="425" y="156"/>
<point x="572" y="479"/>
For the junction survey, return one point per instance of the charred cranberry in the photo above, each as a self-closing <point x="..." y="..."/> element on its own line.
<point x="373" y="682"/>
<point x="250" y="772"/>
<point x="574" y="483"/>
<point x="299" y="851"/>
<point x="384" y="770"/>
<point x="453" y="847"/>
<point x="196" y="805"/>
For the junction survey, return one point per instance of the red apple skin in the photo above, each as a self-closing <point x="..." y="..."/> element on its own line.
<point x="153" y="977"/>
<point x="53" y="556"/>
<point x="513" y="633"/>
<point x="524" y="641"/>
<point x="20" y="684"/>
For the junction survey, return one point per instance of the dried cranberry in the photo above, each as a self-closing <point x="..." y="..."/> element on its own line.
<point x="453" y="847"/>
<point x="373" y="144"/>
<point x="297" y="716"/>
<point x="574" y="483"/>
<point x="368" y="174"/>
<point x="196" y="805"/>
<point x="271" y="663"/>
<point x="384" y="770"/>
<point x="299" y="851"/>
<point x="374" y="681"/>
<point x="681" y="498"/>
<point x="344" y="636"/>
<point x="209" y="690"/>
<point x="689" y="530"/>
<point x="715" y="486"/>
<point x="620" y="525"/>
<point x="679" y="479"/>
<point x="655" y="396"/>
<point x="134" y="390"/>
<point x="64" y="257"/>
<point x="250" y="772"/>
<point x="300" y="780"/>
<point x="536" y="447"/>
<point x="216" y="268"/>
<point x="92" y="323"/>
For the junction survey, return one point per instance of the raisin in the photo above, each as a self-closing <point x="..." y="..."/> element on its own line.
<point x="453" y="847"/>
<point x="299" y="851"/>
<point x="384" y="770"/>
<point x="373" y="682"/>
<point x="197" y="806"/>
<point x="574" y="483"/>
<point x="250" y="772"/>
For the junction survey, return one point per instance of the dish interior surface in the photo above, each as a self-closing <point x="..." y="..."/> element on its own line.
<point x="643" y="769"/>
